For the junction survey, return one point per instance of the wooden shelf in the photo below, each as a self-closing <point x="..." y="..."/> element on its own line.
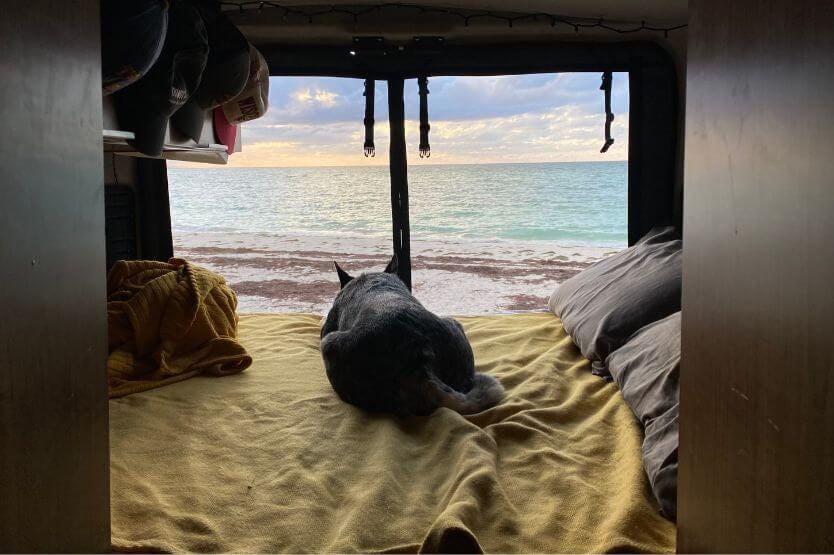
<point x="116" y="141"/>
<point x="176" y="147"/>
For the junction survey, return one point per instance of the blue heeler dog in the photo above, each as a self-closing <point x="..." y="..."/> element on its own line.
<point x="384" y="352"/>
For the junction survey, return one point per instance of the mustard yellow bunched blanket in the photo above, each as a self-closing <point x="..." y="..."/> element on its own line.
<point x="270" y="460"/>
<point x="168" y="322"/>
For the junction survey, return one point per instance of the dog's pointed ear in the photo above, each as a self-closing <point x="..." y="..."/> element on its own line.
<point x="393" y="265"/>
<point x="344" y="277"/>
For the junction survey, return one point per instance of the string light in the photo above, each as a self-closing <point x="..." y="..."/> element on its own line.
<point x="465" y="17"/>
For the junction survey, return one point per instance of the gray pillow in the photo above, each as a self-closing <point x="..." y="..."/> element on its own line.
<point x="647" y="369"/>
<point x="602" y="306"/>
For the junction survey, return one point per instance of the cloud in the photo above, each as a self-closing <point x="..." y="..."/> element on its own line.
<point x="558" y="134"/>
<point x="464" y="98"/>
<point x="528" y="118"/>
<point x="332" y="99"/>
<point x="313" y="100"/>
<point x="318" y="97"/>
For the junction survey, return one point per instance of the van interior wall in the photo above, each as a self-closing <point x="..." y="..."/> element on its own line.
<point x="677" y="44"/>
<point x="54" y="474"/>
<point x="757" y="375"/>
<point x="138" y="217"/>
<point x="652" y="150"/>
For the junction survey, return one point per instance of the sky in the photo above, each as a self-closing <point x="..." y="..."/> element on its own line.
<point x="317" y="121"/>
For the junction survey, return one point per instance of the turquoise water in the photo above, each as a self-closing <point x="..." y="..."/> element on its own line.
<point x="572" y="203"/>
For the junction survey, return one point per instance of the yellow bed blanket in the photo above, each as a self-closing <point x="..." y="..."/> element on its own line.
<point x="270" y="460"/>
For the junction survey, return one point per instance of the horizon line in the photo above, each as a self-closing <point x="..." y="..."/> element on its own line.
<point x="228" y="167"/>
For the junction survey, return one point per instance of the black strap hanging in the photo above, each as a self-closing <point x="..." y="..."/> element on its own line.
<point x="609" y="115"/>
<point x="425" y="148"/>
<point x="370" y="149"/>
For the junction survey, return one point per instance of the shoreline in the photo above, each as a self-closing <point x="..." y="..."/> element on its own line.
<point x="293" y="272"/>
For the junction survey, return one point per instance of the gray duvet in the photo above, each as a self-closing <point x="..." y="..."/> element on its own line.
<point x="647" y="369"/>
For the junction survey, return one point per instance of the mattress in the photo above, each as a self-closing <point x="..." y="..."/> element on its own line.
<point x="271" y="460"/>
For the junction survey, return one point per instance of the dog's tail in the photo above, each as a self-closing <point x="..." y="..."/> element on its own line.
<point x="486" y="393"/>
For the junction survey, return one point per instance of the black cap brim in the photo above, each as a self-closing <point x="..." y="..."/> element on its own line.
<point x="148" y="124"/>
<point x="189" y="118"/>
<point x="149" y="130"/>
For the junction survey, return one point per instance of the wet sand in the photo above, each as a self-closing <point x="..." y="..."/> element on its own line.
<point x="294" y="273"/>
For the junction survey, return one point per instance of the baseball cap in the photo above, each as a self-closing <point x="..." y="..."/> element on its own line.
<point x="226" y="132"/>
<point x="253" y="101"/>
<point x="146" y="106"/>
<point x="225" y="75"/>
<point x="132" y="35"/>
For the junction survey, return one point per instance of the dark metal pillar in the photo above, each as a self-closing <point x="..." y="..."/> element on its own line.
<point x="399" y="179"/>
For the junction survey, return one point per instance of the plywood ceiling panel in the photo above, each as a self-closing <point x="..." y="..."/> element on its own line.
<point x="657" y="11"/>
<point x="271" y="25"/>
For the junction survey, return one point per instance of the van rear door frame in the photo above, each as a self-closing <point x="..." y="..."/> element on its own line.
<point x="654" y="181"/>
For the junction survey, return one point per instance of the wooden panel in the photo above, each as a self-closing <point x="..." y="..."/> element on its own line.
<point x="757" y="378"/>
<point x="54" y="487"/>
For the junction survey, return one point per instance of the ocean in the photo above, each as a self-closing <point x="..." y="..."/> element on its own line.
<point x="577" y="203"/>
<point x="486" y="238"/>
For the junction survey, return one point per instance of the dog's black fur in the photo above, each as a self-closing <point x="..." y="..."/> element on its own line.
<point x="383" y="351"/>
